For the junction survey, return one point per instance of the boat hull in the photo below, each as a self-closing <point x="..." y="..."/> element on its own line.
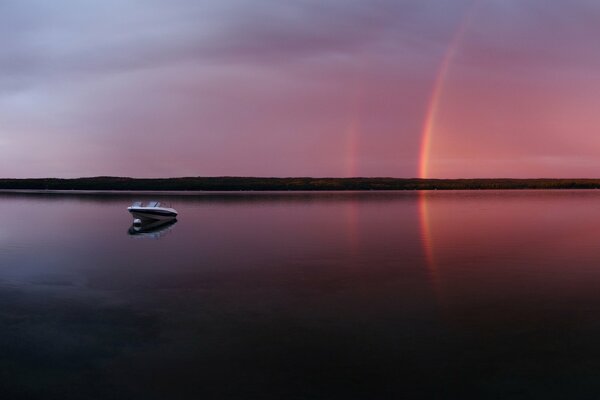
<point x="153" y="215"/>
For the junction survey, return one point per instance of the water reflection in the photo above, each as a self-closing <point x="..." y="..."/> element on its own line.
<point x="151" y="230"/>
<point x="495" y="237"/>
<point x="516" y="279"/>
<point x="427" y="237"/>
<point x="295" y="295"/>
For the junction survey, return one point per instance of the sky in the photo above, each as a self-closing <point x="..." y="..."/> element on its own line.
<point x="336" y="88"/>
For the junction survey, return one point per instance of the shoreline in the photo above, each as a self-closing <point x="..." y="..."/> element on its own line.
<point x="199" y="185"/>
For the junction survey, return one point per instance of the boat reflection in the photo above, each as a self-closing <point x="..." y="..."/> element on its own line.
<point x="151" y="230"/>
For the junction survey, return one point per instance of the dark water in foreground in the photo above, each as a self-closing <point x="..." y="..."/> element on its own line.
<point x="368" y="295"/>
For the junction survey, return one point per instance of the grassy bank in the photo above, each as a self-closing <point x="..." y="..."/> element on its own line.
<point x="243" y="183"/>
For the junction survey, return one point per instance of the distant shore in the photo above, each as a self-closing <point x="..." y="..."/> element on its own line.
<point x="285" y="184"/>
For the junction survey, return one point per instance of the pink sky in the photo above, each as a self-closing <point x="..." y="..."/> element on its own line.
<point x="306" y="88"/>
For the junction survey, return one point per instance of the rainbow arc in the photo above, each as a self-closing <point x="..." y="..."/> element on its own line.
<point x="437" y="92"/>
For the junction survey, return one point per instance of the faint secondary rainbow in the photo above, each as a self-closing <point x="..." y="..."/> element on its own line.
<point x="436" y="94"/>
<point x="353" y="130"/>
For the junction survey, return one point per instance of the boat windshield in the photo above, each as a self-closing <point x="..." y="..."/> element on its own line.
<point x="136" y="204"/>
<point x="153" y="204"/>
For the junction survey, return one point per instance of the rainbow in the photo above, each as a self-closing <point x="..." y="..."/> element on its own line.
<point x="437" y="91"/>
<point x="427" y="237"/>
<point x="352" y="142"/>
<point x="353" y="131"/>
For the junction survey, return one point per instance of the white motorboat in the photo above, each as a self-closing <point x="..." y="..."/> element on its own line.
<point x="152" y="211"/>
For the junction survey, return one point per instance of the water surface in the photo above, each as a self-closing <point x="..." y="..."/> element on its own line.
<point x="364" y="295"/>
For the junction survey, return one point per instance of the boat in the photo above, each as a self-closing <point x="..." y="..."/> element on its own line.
<point x="152" y="211"/>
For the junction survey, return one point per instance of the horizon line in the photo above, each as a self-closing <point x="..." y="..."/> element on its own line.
<point x="295" y="177"/>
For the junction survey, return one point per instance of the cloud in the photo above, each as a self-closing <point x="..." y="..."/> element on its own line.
<point x="241" y="87"/>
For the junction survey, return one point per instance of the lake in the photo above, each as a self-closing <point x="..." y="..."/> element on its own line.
<point x="353" y="295"/>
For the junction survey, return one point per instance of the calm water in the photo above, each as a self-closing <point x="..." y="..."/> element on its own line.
<point x="302" y="296"/>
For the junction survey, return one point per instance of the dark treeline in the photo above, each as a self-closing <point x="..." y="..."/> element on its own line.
<point x="243" y="183"/>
